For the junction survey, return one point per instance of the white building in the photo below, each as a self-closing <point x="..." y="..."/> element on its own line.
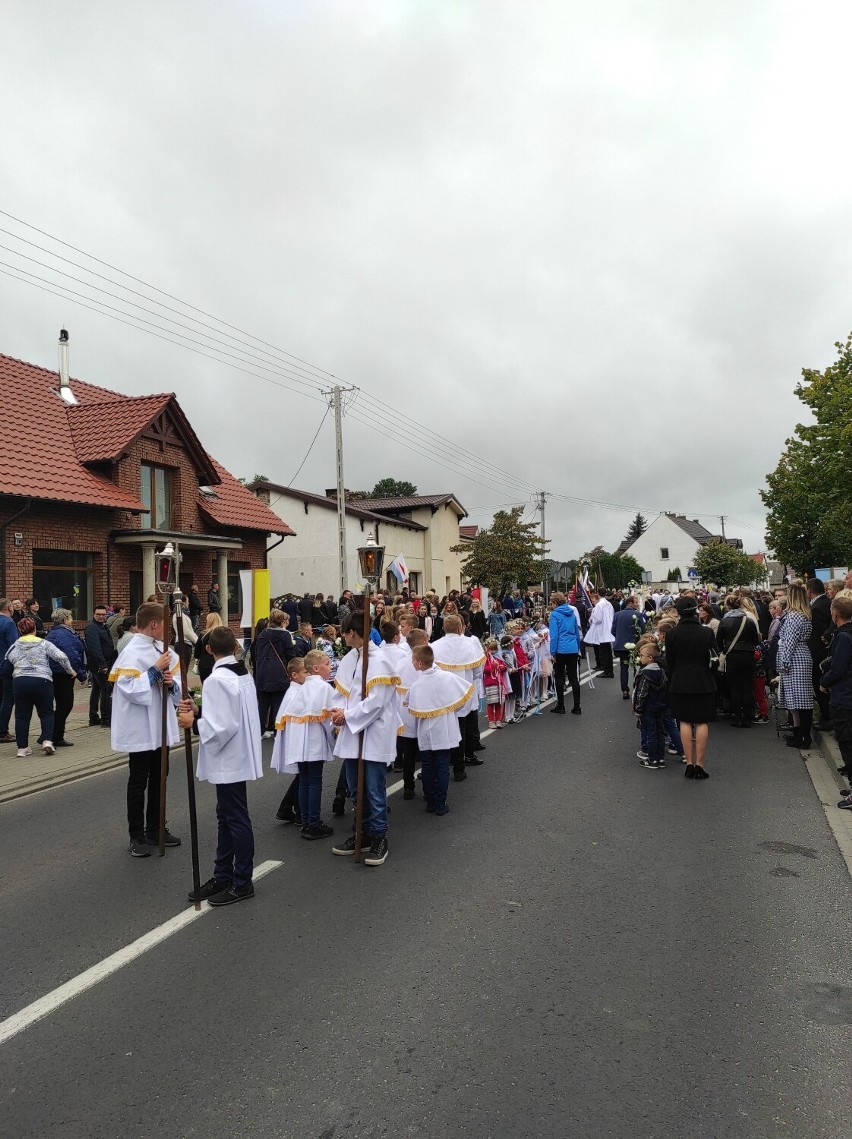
<point x="671" y="542"/>
<point x="422" y="529"/>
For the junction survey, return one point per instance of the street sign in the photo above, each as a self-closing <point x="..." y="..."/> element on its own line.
<point x="692" y="573"/>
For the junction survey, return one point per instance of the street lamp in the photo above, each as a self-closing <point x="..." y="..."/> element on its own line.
<point x="371" y="559"/>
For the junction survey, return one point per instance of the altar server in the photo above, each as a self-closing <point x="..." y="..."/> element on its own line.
<point x="599" y="633"/>
<point x="434" y="700"/>
<point x="465" y="657"/>
<point x="304" y="724"/>
<point x="228" y="755"/>
<point x="377" y="716"/>
<point x="138" y="676"/>
<point x="406" y="742"/>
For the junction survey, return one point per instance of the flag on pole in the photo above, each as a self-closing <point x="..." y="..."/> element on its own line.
<point x="399" y="569"/>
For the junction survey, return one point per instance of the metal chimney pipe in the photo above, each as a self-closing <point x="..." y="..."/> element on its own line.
<point x="65" y="392"/>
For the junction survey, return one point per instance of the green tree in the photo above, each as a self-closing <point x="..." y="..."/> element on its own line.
<point x="722" y="564"/>
<point x="613" y="571"/>
<point x="673" y="574"/>
<point x="509" y="552"/>
<point x="393" y="488"/>
<point x="809" y="494"/>
<point x="637" y="528"/>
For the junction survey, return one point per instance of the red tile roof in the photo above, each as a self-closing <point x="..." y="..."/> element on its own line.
<point x="37" y="455"/>
<point x="103" y="429"/>
<point x="235" y="505"/>
<point x="44" y="455"/>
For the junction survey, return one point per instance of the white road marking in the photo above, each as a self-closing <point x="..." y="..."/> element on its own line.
<point x="45" y="1005"/>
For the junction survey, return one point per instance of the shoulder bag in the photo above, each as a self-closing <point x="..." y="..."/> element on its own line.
<point x="721" y="663"/>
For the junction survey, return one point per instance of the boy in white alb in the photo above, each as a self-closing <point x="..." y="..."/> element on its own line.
<point x="434" y="701"/>
<point x="288" y="808"/>
<point x="138" y="676"/>
<point x="308" y="738"/>
<point x="228" y="755"/>
<point x="406" y="742"/>
<point x="377" y="716"/>
<point x="465" y="657"/>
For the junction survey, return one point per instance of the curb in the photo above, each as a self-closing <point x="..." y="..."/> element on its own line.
<point x="60" y="778"/>
<point x="822" y="764"/>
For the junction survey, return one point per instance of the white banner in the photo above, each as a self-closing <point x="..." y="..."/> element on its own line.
<point x="247" y="590"/>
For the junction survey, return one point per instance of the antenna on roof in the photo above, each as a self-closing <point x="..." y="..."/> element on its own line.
<point x="65" y="392"/>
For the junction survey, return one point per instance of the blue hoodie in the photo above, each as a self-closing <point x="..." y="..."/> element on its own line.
<point x="564" y="630"/>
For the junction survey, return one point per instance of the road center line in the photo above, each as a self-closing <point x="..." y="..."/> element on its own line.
<point x="45" y="1005"/>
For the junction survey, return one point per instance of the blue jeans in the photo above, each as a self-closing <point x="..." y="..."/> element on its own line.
<point x="235" y="849"/>
<point x="32" y="692"/>
<point x="435" y="772"/>
<point x="310" y="792"/>
<point x="375" y="817"/>
<point x="654" y="733"/>
<point x="672" y="731"/>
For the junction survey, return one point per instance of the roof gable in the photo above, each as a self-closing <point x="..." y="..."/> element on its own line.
<point x="353" y="508"/>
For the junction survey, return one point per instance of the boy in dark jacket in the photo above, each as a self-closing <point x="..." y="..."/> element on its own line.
<point x="649" y="703"/>
<point x="836" y="681"/>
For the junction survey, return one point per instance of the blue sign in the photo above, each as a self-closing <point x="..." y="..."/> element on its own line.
<point x="692" y="573"/>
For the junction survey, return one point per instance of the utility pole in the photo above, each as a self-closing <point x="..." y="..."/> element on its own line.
<point x="542" y="499"/>
<point x="337" y="404"/>
<point x="722" y="521"/>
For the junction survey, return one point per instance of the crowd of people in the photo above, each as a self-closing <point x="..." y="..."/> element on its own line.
<point x="434" y="664"/>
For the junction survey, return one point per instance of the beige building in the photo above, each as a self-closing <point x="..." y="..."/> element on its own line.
<point x="422" y="529"/>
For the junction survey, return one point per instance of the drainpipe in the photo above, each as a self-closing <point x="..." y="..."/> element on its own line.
<point x="3" y="530"/>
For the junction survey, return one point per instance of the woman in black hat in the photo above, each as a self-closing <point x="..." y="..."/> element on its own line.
<point x="692" y="687"/>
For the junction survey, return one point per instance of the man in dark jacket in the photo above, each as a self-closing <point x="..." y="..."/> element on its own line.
<point x="291" y="608"/>
<point x="8" y="636"/>
<point x="101" y="653"/>
<point x="214" y="601"/>
<point x="195" y="607"/>
<point x="306" y="606"/>
<point x="330" y="610"/>
<point x="821" y="624"/>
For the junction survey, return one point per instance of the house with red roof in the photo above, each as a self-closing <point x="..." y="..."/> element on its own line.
<point x="94" y="485"/>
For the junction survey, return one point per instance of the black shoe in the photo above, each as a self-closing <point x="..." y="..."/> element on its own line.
<point x="472" y="761"/>
<point x="288" y="815"/>
<point x="408" y="793"/>
<point x="479" y="747"/>
<point x="795" y="741"/>
<point x="625" y="695"/>
<point x="338" y="807"/>
<point x="701" y="772"/>
<point x="94" y="721"/>
<point x="211" y="886"/>
<point x="171" y="839"/>
<point x="320" y="831"/>
<point x="348" y="846"/>
<point x="459" y="776"/>
<point x="442" y="810"/>
<point x="232" y="894"/>
<point x="378" y="851"/>
<point x="139" y="848"/>
<point x="559" y="709"/>
<point x="397" y="767"/>
<point x="578" y="711"/>
<point x="62" y="743"/>
<point x="689" y="771"/>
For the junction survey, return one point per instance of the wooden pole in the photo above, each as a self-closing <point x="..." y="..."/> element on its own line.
<point x="365" y="657"/>
<point x="164" y="736"/>
<point x="187" y="747"/>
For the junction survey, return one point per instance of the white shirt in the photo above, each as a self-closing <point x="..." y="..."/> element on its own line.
<point x="137" y="707"/>
<point x="600" y="624"/>
<point x="377" y="716"/>
<point x="229" y="727"/>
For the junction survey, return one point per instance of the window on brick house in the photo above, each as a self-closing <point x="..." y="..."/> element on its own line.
<point x="156" y="491"/>
<point x="62" y="579"/>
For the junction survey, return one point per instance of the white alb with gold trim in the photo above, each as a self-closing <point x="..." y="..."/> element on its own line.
<point x="377" y="716"/>
<point x="436" y="699"/>
<point x="304" y="726"/>
<point x="136" y="722"/>
<point x="465" y="657"/>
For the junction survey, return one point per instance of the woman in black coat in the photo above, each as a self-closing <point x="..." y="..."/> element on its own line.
<point x="692" y="689"/>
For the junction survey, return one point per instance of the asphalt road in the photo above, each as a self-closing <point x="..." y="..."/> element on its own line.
<point x="580" y="948"/>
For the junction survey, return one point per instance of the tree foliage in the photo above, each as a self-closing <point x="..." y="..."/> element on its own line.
<point x="809" y="494"/>
<point x="721" y="564"/>
<point x="509" y="552"/>
<point x="612" y="571"/>
<point x="393" y="488"/>
<point x="673" y="574"/>
<point x="637" y="528"/>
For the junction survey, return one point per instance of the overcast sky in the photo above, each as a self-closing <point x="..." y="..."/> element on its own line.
<point x="590" y="243"/>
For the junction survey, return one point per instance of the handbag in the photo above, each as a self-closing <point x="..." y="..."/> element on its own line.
<point x="722" y="658"/>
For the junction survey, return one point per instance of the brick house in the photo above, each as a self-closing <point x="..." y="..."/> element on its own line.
<point x="93" y="482"/>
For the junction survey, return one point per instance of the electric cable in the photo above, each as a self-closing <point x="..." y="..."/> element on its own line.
<point x="307" y="453"/>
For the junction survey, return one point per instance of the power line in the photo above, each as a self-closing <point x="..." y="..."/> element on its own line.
<point x="316" y="435"/>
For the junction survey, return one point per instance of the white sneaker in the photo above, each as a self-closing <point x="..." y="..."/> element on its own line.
<point x="267" y="735"/>
<point x="23" y="752"/>
<point x="48" y="747"/>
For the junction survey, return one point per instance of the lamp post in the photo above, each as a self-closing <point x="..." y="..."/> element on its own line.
<point x="168" y="568"/>
<point x="370" y="560"/>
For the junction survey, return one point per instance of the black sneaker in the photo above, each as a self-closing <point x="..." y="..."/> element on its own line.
<point x="232" y="894"/>
<point x="459" y="776"/>
<point x="338" y="807"/>
<point x="652" y="764"/>
<point x="378" y="851"/>
<point x="171" y="839"/>
<point x="320" y="831"/>
<point x="139" y="848"/>
<point x="62" y="743"/>
<point x="479" y="747"/>
<point x="211" y="886"/>
<point x="578" y="711"/>
<point x="559" y="710"/>
<point x="408" y="793"/>
<point x="472" y="761"/>
<point x="94" y="721"/>
<point x="288" y="815"/>
<point x="348" y="847"/>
